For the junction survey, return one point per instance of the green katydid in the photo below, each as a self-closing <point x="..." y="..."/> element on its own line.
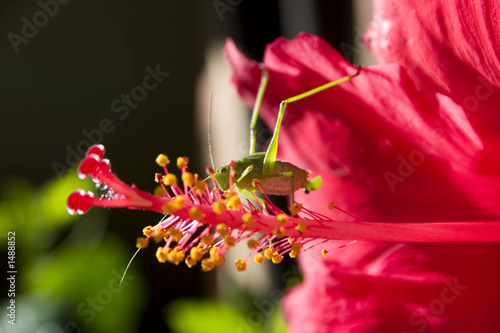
<point x="274" y="176"/>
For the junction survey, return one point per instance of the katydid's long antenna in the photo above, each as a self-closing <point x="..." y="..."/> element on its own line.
<point x="126" y="268"/>
<point x="210" y="131"/>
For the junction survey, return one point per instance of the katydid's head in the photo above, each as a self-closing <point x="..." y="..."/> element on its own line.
<point x="222" y="177"/>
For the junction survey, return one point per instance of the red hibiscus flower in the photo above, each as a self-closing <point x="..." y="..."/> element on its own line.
<point x="414" y="139"/>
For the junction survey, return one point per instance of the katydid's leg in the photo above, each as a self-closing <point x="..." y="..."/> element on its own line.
<point x="255" y="114"/>
<point x="245" y="173"/>
<point x="272" y="150"/>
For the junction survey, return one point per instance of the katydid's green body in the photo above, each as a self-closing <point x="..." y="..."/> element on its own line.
<point x="274" y="176"/>
<point x="279" y="182"/>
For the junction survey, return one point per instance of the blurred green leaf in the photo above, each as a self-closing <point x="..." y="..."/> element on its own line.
<point x="204" y="316"/>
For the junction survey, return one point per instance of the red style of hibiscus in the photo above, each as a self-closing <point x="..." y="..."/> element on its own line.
<point x="414" y="139"/>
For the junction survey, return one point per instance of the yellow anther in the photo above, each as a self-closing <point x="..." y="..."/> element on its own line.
<point x="190" y="261"/>
<point x="169" y="207"/>
<point x="159" y="192"/>
<point x="182" y="162"/>
<point x="222" y="229"/>
<point x="241" y="265"/>
<point x="233" y="202"/>
<point x="147" y="231"/>
<point x="230" y="241"/>
<point x="331" y="205"/>
<point x="195" y="253"/>
<point x="200" y="187"/>
<point x="268" y="253"/>
<point x="280" y="232"/>
<point x="218" y="207"/>
<point x="259" y="258"/>
<point x="196" y="214"/>
<point x="276" y="258"/>
<point x="142" y="242"/>
<point x="207" y="239"/>
<point x="282" y="219"/>
<point x="301" y="227"/>
<point x="188" y="179"/>
<point x="175" y="256"/>
<point x="295" y="208"/>
<point x="179" y="202"/>
<point x="170" y="180"/>
<point x="207" y="264"/>
<point x="294" y="252"/>
<point x="162" y="254"/>
<point x="247" y="219"/>
<point x="324" y="252"/>
<point x="252" y="243"/>
<point x="218" y="259"/>
<point x="213" y="251"/>
<point x="162" y="160"/>
<point x="158" y="236"/>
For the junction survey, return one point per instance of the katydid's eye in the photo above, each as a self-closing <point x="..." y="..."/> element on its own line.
<point x="223" y="171"/>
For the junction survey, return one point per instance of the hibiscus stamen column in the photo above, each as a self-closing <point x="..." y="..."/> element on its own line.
<point x="201" y="224"/>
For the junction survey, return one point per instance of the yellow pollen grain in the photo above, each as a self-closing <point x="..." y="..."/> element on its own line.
<point x="218" y="259"/>
<point x="182" y="162"/>
<point x="158" y="236"/>
<point x="162" y="160"/>
<point x="190" y="261"/>
<point x="161" y="255"/>
<point x="207" y="264"/>
<point x="207" y="239"/>
<point x="218" y="207"/>
<point x="279" y="233"/>
<point x="159" y="192"/>
<point x="295" y="208"/>
<point x="282" y="219"/>
<point x="170" y="180"/>
<point x="179" y="202"/>
<point x="175" y="256"/>
<point x="331" y="205"/>
<point x="301" y="227"/>
<point x="147" y="231"/>
<point x="233" y="203"/>
<point x="230" y="241"/>
<point x="294" y="252"/>
<point x="247" y="220"/>
<point x="240" y="264"/>
<point x="268" y="253"/>
<point x="222" y="229"/>
<point x="324" y="252"/>
<point x="142" y="242"/>
<point x="188" y="179"/>
<point x="195" y="214"/>
<point x="276" y="258"/>
<point x="259" y="258"/>
<point x="252" y="243"/>
<point x="200" y="187"/>
<point x="195" y="254"/>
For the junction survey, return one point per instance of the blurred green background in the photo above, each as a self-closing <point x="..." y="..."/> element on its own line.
<point x="66" y="70"/>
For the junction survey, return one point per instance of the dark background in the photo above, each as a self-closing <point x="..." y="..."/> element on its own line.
<point x="63" y="79"/>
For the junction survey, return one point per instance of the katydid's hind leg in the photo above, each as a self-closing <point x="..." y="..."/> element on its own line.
<point x="255" y="114"/>
<point x="272" y="150"/>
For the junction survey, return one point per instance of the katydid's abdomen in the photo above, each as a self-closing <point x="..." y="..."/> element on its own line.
<point x="275" y="184"/>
